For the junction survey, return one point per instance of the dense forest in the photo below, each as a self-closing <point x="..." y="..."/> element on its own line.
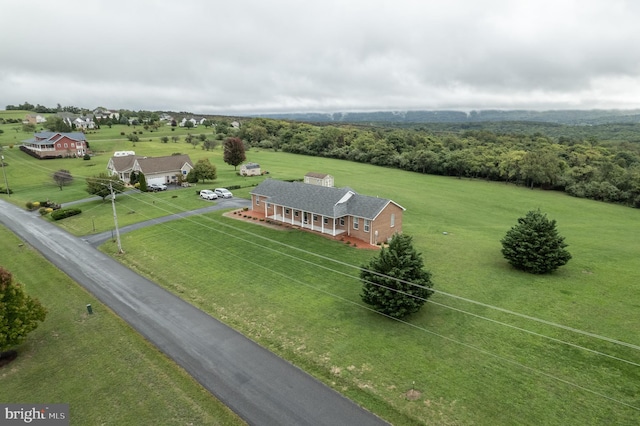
<point x="601" y="164"/>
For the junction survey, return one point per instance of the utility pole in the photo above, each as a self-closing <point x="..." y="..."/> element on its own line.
<point x="5" y="177"/>
<point x="115" y="218"/>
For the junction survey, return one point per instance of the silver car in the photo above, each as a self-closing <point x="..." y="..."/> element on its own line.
<point x="223" y="193"/>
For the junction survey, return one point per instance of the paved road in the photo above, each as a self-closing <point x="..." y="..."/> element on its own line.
<point x="230" y="203"/>
<point x="260" y="387"/>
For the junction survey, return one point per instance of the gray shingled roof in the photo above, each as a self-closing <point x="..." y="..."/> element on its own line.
<point x="322" y="200"/>
<point x="124" y="163"/>
<point x="170" y="163"/>
<point x="52" y="137"/>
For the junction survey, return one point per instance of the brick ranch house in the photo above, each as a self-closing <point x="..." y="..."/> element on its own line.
<point x="155" y="169"/>
<point x="56" y="145"/>
<point x="333" y="211"/>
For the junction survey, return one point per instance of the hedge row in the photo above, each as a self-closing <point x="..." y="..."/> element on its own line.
<point x="63" y="213"/>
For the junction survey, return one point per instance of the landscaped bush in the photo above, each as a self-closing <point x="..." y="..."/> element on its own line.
<point x="50" y="204"/>
<point x="45" y="210"/>
<point x="86" y="157"/>
<point x="64" y="213"/>
<point x="232" y="187"/>
<point x="32" y="205"/>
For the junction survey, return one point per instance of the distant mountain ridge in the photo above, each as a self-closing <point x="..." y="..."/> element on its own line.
<point x="571" y="117"/>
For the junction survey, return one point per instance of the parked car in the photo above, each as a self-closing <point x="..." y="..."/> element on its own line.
<point x="223" y="193"/>
<point x="208" y="194"/>
<point x="157" y="187"/>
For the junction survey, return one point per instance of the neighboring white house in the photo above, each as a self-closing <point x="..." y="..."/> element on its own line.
<point x="321" y="179"/>
<point x="250" y="169"/>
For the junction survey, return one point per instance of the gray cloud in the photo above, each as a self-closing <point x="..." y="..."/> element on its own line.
<point x="256" y="56"/>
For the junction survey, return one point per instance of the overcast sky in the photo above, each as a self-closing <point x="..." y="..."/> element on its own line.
<point x="248" y="56"/>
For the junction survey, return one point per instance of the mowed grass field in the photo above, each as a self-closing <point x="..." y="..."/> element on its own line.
<point x="104" y="370"/>
<point x="466" y="358"/>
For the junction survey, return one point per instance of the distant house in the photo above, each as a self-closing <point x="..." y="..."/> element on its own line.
<point x="333" y="211"/>
<point x="155" y="169"/>
<point x="84" y="122"/>
<point x="235" y="124"/>
<point x="34" y="119"/>
<point x="192" y="120"/>
<point x="250" y="169"/>
<point x="56" y="145"/>
<point x="77" y="121"/>
<point x="105" y="114"/>
<point x="321" y="179"/>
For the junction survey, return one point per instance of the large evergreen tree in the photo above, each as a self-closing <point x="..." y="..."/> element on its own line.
<point x="19" y="312"/>
<point x="534" y="245"/>
<point x="234" y="152"/>
<point x="394" y="282"/>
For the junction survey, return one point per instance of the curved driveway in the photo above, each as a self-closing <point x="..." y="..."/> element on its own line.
<point x="260" y="387"/>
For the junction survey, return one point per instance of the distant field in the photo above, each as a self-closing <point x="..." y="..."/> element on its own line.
<point x="284" y="290"/>
<point x="104" y="370"/>
<point x="21" y="114"/>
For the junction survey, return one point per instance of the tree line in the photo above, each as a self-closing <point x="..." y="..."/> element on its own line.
<point x="583" y="168"/>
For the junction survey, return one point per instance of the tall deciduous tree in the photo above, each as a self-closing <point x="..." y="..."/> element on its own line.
<point x="394" y="282"/>
<point x="234" y="154"/>
<point x="204" y="170"/>
<point x="56" y="124"/>
<point x="19" y="312"/>
<point x="534" y="245"/>
<point x="100" y="185"/>
<point x="62" y="177"/>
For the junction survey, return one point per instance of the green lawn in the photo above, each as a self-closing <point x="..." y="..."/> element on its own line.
<point x="298" y="295"/>
<point x="104" y="370"/>
<point x="468" y="369"/>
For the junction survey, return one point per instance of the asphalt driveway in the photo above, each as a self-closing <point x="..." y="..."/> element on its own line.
<point x="260" y="387"/>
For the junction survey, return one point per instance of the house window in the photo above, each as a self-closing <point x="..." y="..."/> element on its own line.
<point x="296" y="213"/>
<point x="342" y="221"/>
<point x="184" y="172"/>
<point x="315" y="217"/>
<point x="257" y="201"/>
<point x="268" y="206"/>
<point x="287" y="211"/>
<point x="326" y="220"/>
<point x="367" y="223"/>
<point x="355" y="223"/>
<point x="393" y="220"/>
<point x="66" y="145"/>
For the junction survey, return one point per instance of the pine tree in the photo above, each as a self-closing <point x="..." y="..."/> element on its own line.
<point x="534" y="245"/>
<point x="394" y="282"/>
<point x="19" y="313"/>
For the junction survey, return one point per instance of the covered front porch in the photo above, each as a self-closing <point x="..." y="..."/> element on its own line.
<point x="301" y="222"/>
